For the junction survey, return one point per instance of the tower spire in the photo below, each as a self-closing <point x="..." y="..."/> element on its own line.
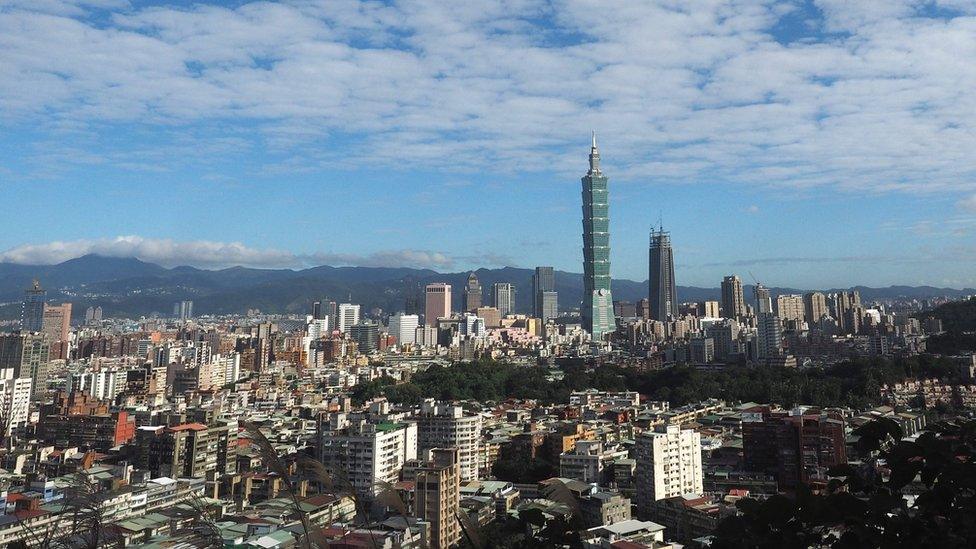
<point x="594" y="156"/>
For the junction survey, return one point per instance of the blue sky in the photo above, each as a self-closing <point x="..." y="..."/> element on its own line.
<point x="814" y="144"/>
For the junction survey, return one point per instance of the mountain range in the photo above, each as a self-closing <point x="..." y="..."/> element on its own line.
<point x="131" y="287"/>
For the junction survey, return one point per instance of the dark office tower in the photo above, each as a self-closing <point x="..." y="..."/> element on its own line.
<point x="32" y="313"/>
<point x="662" y="293"/>
<point x="472" y="293"/>
<point x="544" y="280"/>
<point x="733" y="302"/>
<point x="597" y="310"/>
<point x="317" y="310"/>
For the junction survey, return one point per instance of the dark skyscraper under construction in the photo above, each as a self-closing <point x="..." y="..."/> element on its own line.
<point x="662" y="293"/>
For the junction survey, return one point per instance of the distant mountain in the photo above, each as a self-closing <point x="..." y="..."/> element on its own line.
<point x="130" y="287"/>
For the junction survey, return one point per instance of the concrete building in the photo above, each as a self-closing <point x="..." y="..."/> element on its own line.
<point x="369" y="453"/>
<point x="446" y="426"/>
<point x="814" y="307"/>
<point x="790" y="308"/>
<point x="15" y="399"/>
<point x="188" y="450"/>
<point x="366" y="335"/>
<point x="733" y="301"/>
<point x="662" y="292"/>
<point x="769" y="336"/>
<point x="56" y="323"/>
<point x="404" y="328"/>
<point x="472" y="293"/>
<point x="32" y="310"/>
<point x="711" y="309"/>
<point x="798" y="446"/>
<point x="503" y="298"/>
<point x="589" y="461"/>
<point x="348" y="315"/>
<point x="668" y="464"/>
<point x="437" y="495"/>
<point x="437" y="302"/>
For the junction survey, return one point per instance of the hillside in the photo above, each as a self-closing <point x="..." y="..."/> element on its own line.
<point x="130" y="287"/>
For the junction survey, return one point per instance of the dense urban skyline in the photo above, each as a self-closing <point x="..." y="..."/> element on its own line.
<point x="818" y="144"/>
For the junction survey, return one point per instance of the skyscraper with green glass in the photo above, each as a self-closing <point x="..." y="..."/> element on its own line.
<point x="597" y="301"/>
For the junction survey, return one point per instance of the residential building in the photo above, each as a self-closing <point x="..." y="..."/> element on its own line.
<point x="369" y="453"/>
<point x="188" y="450"/>
<point x="798" y="446"/>
<point x="790" y="309"/>
<point x="437" y="495"/>
<point x="733" y="301"/>
<point x="668" y="464"/>
<point x="442" y="425"/>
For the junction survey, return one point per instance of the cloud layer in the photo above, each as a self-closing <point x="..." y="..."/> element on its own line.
<point x="868" y="95"/>
<point x="209" y="254"/>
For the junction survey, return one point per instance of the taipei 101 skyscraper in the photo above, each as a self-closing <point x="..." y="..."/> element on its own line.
<point x="597" y="301"/>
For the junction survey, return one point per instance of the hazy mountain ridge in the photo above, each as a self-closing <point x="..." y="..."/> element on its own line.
<point x="128" y="286"/>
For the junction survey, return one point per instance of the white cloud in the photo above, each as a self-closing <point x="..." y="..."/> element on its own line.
<point x="210" y="254"/>
<point x="968" y="203"/>
<point x="680" y="91"/>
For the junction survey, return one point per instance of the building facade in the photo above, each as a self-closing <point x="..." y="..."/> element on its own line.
<point x="662" y="293"/>
<point x="668" y="464"/>
<point x="597" y="309"/>
<point x="437" y="302"/>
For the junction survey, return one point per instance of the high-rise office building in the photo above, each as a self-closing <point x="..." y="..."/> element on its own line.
<point x="662" y="292"/>
<point x="32" y="311"/>
<point x="437" y="302"/>
<point x="597" y="310"/>
<point x="549" y="305"/>
<point x="503" y="298"/>
<point x="764" y="301"/>
<point x="26" y="355"/>
<point x="347" y="315"/>
<point x="543" y="280"/>
<point x="668" y="465"/>
<point x="404" y="328"/>
<point x="57" y="322"/>
<point x="733" y="302"/>
<point x="366" y="335"/>
<point x="472" y="293"/>
<point x="814" y="307"/>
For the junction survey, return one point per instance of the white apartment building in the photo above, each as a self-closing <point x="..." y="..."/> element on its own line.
<point x="15" y="398"/>
<point x="103" y="384"/>
<point x="668" y="464"/>
<point x="587" y="461"/>
<point x="367" y="453"/>
<point x="446" y="426"/>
